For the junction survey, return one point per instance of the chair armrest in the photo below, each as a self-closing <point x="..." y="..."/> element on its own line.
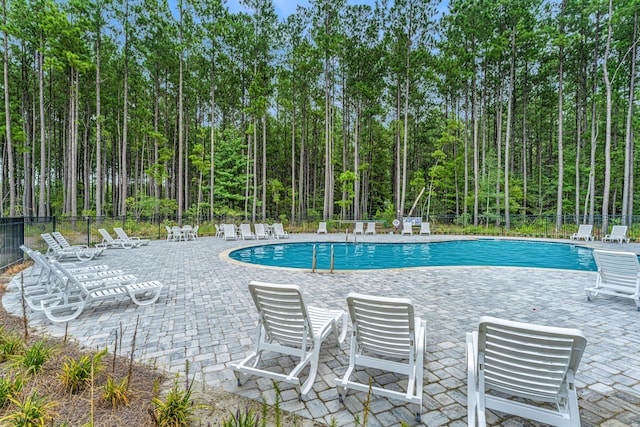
<point x="472" y="378"/>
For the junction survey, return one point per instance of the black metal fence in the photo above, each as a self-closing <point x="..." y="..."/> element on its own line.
<point x="84" y="230"/>
<point x="11" y="237"/>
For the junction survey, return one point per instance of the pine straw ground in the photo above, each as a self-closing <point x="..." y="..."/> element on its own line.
<point x="211" y="406"/>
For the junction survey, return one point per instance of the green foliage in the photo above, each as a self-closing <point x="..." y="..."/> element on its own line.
<point x="10" y="345"/>
<point x="9" y="388"/>
<point x="146" y="206"/>
<point x="76" y="374"/>
<point x="116" y="393"/>
<point x="248" y="418"/>
<point x="32" y="358"/>
<point x="33" y="411"/>
<point x="177" y="408"/>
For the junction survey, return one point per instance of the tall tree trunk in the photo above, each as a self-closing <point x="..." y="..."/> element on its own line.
<point x="560" y="123"/>
<point x="474" y="124"/>
<point x="264" y="167"/>
<point x="507" y="141"/>
<point x="627" y="193"/>
<point x="405" y="142"/>
<point x="607" y="137"/>
<point x="180" y="123"/>
<point x="398" y="170"/>
<point x="293" y="156"/>
<point x="590" y="196"/>
<point x="125" y="119"/>
<point x="356" y="166"/>
<point x="213" y="139"/>
<point x="254" y="199"/>
<point x="7" y="110"/>
<point x="44" y="175"/>
<point x="328" y="155"/>
<point x="499" y="147"/>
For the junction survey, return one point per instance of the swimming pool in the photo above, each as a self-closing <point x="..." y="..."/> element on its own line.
<point x="376" y="256"/>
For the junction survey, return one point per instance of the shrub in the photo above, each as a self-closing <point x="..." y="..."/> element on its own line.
<point x="9" y="387"/>
<point x="34" y="411"/>
<point x="76" y="374"/>
<point x="176" y="410"/>
<point x="35" y="356"/>
<point x="248" y="418"/>
<point x="115" y="393"/>
<point x="10" y="345"/>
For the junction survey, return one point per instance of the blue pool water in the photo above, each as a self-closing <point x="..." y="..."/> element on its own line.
<point x="375" y="256"/>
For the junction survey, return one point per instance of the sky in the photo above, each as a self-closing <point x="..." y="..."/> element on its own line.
<point x="284" y="8"/>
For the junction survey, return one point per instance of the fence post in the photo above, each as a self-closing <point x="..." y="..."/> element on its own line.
<point x="88" y="230"/>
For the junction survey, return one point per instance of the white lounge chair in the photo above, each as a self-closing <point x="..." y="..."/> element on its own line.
<point x="58" y="252"/>
<point x="371" y="228"/>
<point x="386" y="336"/>
<point x="245" y="232"/>
<point x="322" y="228"/>
<point x="261" y="233"/>
<point x="619" y="233"/>
<point x="618" y="275"/>
<point x="584" y="232"/>
<point x="75" y="295"/>
<point x="137" y="241"/>
<point x="507" y="359"/>
<point x="407" y="228"/>
<point x="229" y="232"/>
<point x="278" y="231"/>
<point x="110" y="242"/>
<point x="219" y="230"/>
<point x="358" y="228"/>
<point x="64" y="244"/>
<point x="425" y="228"/>
<point x="288" y="326"/>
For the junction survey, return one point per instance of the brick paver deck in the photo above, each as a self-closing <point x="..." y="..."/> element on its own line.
<point x="205" y="319"/>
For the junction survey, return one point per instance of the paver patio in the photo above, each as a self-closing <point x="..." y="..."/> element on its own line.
<point x="205" y="319"/>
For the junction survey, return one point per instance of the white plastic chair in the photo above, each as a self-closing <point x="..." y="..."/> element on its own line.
<point x="407" y="228"/>
<point x="229" y="232"/>
<point x="137" y="241"/>
<point x="507" y="360"/>
<point x="619" y="233"/>
<point x="58" y="252"/>
<point x="618" y="275"/>
<point x="261" y="233"/>
<point x="386" y="336"/>
<point x="64" y="244"/>
<point x="245" y="232"/>
<point x="371" y="228"/>
<point x="359" y="228"/>
<point x="278" y="231"/>
<point x="584" y="232"/>
<point x="110" y="242"/>
<point x="322" y="228"/>
<point x="288" y="326"/>
<point x="74" y="295"/>
<point x="425" y="228"/>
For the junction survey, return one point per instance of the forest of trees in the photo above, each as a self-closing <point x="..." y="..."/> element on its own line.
<point x="491" y="109"/>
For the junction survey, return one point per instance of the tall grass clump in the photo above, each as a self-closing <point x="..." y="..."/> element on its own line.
<point x="177" y="409"/>
<point x="115" y="393"/>
<point x="9" y="388"/>
<point x="10" y="345"/>
<point x="33" y="411"/>
<point x="76" y="374"/>
<point x="34" y="357"/>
